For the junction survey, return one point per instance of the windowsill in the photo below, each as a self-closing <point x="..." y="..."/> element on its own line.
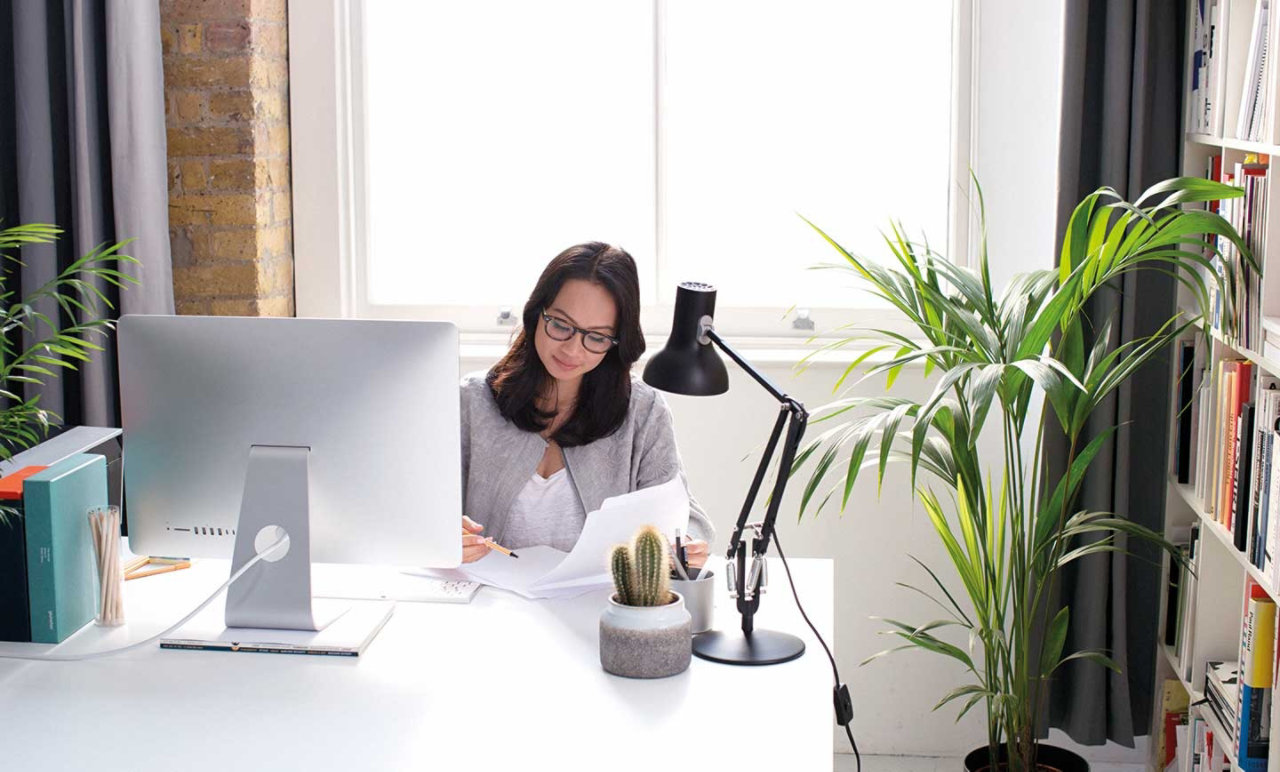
<point x="757" y="350"/>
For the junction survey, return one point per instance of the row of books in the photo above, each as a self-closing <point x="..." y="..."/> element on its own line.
<point x="48" y="580"/>
<point x="1185" y="741"/>
<point x="1206" y="23"/>
<point x="1179" y="616"/>
<point x="1228" y="446"/>
<point x="1256" y="679"/>
<point x="1248" y="215"/>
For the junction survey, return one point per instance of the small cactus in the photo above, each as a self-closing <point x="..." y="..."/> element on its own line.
<point x="620" y="563"/>
<point x="642" y="571"/>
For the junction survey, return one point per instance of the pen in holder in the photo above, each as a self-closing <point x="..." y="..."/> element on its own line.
<point x="699" y="596"/>
<point x="105" y="524"/>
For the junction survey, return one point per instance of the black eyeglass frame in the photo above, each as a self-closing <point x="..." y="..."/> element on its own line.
<point x="546" y="325"/>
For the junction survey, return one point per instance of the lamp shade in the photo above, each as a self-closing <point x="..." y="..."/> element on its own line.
<point x="688" y="364"/>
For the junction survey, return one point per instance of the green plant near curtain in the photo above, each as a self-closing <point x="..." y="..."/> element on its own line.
<point x="1008" y="530"/>
<point x="33" y="346"/>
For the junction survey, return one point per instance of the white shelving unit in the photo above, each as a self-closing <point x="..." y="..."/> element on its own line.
<point x="1218" y="595"/>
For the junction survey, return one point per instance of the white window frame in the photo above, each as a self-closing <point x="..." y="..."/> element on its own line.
<point x="327" y="134"/>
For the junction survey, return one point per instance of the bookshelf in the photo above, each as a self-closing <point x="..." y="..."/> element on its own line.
<point x="1231" y="132"/>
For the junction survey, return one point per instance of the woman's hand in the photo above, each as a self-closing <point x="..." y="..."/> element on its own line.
<point x="696" y="552"/>
<point x="474" y="546"/>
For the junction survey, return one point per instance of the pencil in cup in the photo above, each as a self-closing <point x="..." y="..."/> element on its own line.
<point x="493" y="544"/>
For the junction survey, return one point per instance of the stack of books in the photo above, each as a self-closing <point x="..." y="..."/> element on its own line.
<point x="1243" y="326"/>
<point x="1204" y="749"/>
<point x="1253" y="697"/>
<point x="1227" y="446"/>
<point x="48" y="580"/>
<point x="1170" y="733"/>
<point x="1256" y="114"/>
<point x="1179" y="615"/>
<point x="1222" y="691"/>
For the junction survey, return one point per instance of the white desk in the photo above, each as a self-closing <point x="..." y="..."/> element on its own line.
<point x="501" y="683"/>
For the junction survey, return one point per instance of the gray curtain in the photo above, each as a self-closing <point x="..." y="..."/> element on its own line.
<point x="82" y="146"/>
<point x="1121" y="127"/>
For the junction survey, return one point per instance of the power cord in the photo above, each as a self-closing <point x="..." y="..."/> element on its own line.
<point x="843" y="702"/>
<point x="280" y="542"/>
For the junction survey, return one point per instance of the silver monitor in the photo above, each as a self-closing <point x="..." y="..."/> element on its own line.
<point x="343" y="433"/>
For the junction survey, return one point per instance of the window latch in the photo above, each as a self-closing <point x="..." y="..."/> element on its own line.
<point x="802" y="320"/>
<point x="505" y="317"/>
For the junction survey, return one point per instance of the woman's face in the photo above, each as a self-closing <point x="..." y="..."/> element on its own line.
<point x="586" y="306"/>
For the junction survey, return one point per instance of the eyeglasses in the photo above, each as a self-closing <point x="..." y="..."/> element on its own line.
<point x="595" y="342"/>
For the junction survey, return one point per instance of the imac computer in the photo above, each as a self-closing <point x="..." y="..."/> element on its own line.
<point x="341" y="435"/>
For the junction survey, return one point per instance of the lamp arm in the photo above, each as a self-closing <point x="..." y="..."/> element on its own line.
<point x="735" y="539"/>
<point x="799" y="420"/>
<point x="759" y="377"/>
<point x="795" y="418"/>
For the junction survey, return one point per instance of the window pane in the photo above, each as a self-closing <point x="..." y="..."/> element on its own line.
<point x="836" y="111"/>
<point x="499" y="133"/>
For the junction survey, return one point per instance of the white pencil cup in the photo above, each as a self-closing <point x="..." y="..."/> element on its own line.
<point x="699" y="598"/>
<point x="105" y="525"/>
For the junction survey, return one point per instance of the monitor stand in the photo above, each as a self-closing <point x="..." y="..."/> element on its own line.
<point x="276" y="593"/>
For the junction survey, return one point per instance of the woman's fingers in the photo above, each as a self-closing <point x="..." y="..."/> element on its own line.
<point x="696" y="552"/>
<point x="474" y="548"/>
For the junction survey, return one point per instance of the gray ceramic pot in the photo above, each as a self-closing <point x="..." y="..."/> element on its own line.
<point x="645" y="641"/>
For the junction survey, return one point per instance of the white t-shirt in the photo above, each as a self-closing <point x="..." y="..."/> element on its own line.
<point x="546" y="511"/>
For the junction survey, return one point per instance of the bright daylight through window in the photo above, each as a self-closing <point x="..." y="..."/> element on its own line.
<point x="692" y="134"/>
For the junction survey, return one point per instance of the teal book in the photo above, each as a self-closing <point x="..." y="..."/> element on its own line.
<point x="61" y="572"/>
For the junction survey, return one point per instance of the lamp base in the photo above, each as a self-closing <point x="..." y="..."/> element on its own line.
<point x="762" y="647"/>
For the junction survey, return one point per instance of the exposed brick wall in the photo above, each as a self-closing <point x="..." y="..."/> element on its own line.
<point x="226" y="72"/>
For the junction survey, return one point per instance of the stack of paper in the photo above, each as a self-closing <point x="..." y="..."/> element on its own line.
<point x="544" y="572"/>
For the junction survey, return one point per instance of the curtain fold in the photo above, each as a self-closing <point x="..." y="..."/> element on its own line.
<point x="1121" y="127"/>
<point x="82" y="146"/>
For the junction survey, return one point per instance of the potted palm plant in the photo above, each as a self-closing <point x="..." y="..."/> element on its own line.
<point x="1010" y="527"/>
<point x="33" y="346"/>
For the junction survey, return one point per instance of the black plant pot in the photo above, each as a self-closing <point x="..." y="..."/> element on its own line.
<point x="1048" y="758"/>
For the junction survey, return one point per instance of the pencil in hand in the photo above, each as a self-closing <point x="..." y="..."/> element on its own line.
<point x="493" y="544"/>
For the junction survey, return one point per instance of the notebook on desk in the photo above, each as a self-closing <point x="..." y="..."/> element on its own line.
<point x="347" y="636"/>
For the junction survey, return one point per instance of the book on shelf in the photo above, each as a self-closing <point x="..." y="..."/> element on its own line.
<point x="62" y="583"/>
<point x="1202" y="101"/>
<point x="1187" y="605"/>
<point x="1206" y="403"/>
<point x="1247" y="214"/>
<point x="1268" y="409"/>
<point x="1240" y="491"/>
<point x="1172" y="597"/>
<point x="1254" y="97"/>
<point x="1253" y="700"/>
<point x="15" y="613"/>
<point x="1185" y="415"/>
<point x="1174" y="705"/>
<point x="1237" y="377"/>
<point x="15" y="607"/>
<point x="1222" y="691"/>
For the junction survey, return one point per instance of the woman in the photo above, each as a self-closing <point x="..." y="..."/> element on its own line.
<point x="558" y="425"/>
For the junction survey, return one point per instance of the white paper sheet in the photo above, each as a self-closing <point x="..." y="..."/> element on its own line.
<point x="544" y="572"/>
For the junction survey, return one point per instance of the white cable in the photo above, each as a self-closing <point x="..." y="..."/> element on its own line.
<point x="107" y="652"/>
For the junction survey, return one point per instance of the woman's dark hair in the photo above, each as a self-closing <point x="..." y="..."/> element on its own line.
<point x="605" y="393"/>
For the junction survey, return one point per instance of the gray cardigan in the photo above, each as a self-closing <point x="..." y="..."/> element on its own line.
<point x="498" y="458"/>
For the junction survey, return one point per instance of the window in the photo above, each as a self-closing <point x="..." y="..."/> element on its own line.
<point x="477" y="138"/>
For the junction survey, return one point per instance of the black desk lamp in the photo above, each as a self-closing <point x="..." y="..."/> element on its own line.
<point x="689" y="365"/>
